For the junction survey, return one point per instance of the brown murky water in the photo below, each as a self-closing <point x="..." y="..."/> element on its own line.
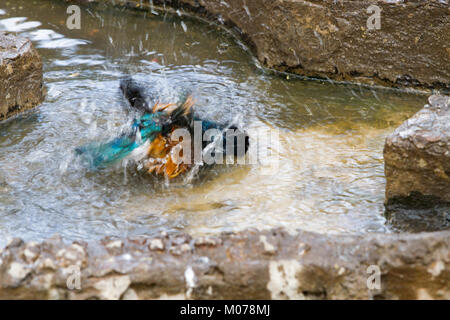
<point x="330" y="176"/>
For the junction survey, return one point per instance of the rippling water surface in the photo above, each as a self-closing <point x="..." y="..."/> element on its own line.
<point x="330" y="177"/>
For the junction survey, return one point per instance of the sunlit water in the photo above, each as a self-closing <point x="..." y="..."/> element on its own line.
<point x="330" y="177"/>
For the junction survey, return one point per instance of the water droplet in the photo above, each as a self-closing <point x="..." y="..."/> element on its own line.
<point x="183" y="25"/>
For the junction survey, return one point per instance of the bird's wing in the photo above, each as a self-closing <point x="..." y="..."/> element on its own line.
<point x="100" y="155"/>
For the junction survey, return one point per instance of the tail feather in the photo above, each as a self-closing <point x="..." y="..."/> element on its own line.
<point x="100" y="155"/>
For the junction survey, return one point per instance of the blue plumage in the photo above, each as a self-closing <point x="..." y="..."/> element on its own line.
<point x="144" y="129"/>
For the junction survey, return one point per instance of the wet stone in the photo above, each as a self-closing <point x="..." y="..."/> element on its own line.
<point x="417" y="169"/>
<point x="331" y="40"/>
<point x="156" y="244"/>
<point x="21" y="81"/>
<point x="335" y="267"/>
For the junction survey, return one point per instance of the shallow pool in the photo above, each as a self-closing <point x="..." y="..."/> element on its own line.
<point x="330" y="177"/>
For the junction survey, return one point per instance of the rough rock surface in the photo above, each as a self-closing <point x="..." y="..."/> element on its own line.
<point x="417" y="169"/>
<point x="21" y="83"/>
<point x="417" y="154"/>
<point x="331" y="39"/>
<point x="247" y="265"/>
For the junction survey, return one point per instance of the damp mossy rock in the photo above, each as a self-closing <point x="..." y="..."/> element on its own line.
<point x="21" y="80"/>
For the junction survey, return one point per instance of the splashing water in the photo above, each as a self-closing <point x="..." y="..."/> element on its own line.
<point x="330" y="177"/>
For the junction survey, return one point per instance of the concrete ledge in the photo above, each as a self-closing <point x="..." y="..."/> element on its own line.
<point x="246" y="265"/>
<point x="330" y="38"/>
<point x="21" y="83"/>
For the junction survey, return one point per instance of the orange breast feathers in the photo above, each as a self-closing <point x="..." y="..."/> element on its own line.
<point x="162" y="154"/>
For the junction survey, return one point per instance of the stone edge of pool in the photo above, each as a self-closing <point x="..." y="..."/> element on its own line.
<point x="331" y="39"/>
<point x="251" y="264"/>
<point x="21" y="76"/>
<point x="417" y="169"/>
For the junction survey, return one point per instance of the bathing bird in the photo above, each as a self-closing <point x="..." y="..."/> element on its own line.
<point x="151" y="134"/>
